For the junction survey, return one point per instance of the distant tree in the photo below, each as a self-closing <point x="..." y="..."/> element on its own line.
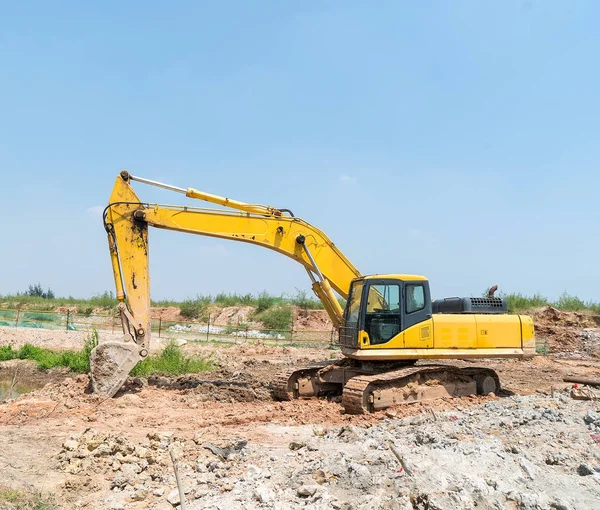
<point x="37" y="291"/>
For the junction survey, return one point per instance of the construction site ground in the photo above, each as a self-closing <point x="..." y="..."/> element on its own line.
<point x="533" y="446"/>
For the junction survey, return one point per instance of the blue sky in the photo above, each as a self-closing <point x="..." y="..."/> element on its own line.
<point x="458" y="140"/>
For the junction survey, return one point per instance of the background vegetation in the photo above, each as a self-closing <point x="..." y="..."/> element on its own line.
<point x="518" y="303"/>
<point x="37" y="299"/>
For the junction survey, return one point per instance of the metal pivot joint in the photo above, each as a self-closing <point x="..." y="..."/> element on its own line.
<point x="322" y="287"/>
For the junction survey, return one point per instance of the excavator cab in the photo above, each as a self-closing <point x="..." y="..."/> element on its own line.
<point x="381" y="307"/>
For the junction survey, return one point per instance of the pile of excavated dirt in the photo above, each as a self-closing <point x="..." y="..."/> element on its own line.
<point x="312" y="320"/>
<point x="169" y="313"/>
<point x="571" y="333"/>
<point x="232" y="315"/>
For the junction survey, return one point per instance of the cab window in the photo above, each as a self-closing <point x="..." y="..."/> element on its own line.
<point x="353" y="305"/>
<point x="384" y="298"/>
<point x="415" y="298"/>
<point x="382" y="317"/>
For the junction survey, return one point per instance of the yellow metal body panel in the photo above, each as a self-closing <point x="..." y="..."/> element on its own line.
<point x="455" y="336"/>
<point x="372" y="354"/>
<point x="128" y="245"/>
<point x="399" y="276"/>
<point x="494" y="331"/>
<point x="419" y="336"/>
<point x="454" y="331"/>
<point x="528" y="335"/>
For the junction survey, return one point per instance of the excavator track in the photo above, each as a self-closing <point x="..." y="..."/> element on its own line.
<point x="368" y="393"/>
<point x="283" y="385"/>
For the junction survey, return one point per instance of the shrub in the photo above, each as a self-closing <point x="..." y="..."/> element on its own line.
<point x="195" y="308"/>
<point x="519" y="302"/>
<point x="302" y="300"/>
<point x="264" y="301"/>
<point x="223" y="299"/>
<point x="569" y="303"/>
<point x="105" y="300"/>
<point x="278" y="317"/>
<point x="85" y="310"/>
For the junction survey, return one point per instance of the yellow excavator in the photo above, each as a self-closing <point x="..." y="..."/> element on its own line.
<point x="389" y="322"/>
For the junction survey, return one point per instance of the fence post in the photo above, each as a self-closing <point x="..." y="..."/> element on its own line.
<point x="208" y="327"/>
<point x="246" y="332"/>
<point x="159" y="325"/>
<point x="17" y="319"/>
<point x="68" y="317"/>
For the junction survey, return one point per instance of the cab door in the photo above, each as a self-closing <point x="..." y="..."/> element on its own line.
<point x="417" y="321"/>
<point x="383" y="311"/>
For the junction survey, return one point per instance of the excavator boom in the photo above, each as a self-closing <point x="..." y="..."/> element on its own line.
<point x="126" y="220"/>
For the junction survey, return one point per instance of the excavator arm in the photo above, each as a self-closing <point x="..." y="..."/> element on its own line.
<point x="126" y="220"/>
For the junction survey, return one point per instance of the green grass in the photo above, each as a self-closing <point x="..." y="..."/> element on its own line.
<point x="172" y="361"/>
<point x="277" y="317"/>
<point x="77" y="361"/>
<point x="542" y="348"/>
<point x="12" y="499"/>
<point x="518" y="303"/>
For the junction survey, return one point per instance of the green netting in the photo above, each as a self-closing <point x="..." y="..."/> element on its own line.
<point x="30" y="325"/>
<point x="71" y="327"/>
<point x="41" y="317"/>
<point x="4" y="323"/>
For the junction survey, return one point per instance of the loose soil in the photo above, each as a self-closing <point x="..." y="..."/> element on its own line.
<point x="234" y="402"/>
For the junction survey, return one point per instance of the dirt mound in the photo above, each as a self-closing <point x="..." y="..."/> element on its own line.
<point x="566" y="331"/>
<point x="169" y="313"/>
<point x="232" y="315"/>
<point x="312" y="320"/>
<point x="66" y="309"/>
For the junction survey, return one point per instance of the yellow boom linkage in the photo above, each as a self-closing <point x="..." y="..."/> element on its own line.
<point x="126" y="221"/>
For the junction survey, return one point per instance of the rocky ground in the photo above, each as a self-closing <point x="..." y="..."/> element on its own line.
<point x="533" y="446"/>
<point x="518" y="452"/>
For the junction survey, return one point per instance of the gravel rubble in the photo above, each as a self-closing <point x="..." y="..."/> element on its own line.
<point x="530" y="452"/>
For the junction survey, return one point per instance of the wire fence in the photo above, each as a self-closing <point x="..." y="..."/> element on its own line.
<point x="166" y="328"/>
<point x="190" y="330"/>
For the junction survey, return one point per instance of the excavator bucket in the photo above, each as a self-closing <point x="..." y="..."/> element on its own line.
<point x="110" y="364"/>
